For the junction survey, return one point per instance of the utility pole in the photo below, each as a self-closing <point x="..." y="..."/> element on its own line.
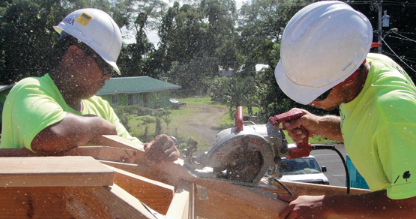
<point x="379" y="24"/>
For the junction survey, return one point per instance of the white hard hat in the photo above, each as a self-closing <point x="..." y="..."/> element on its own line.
<point x="96" y="29"/>
<point x="323" y="44"/>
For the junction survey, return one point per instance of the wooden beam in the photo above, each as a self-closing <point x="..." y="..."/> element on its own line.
<point x="246" y="196"/>
<point x="221" y="205"/>
<point x="116" y="141"/>
<point x="53" y="171"/>
<point x="298" y="188"/>
<point x="181" y="202"/>
<point x="17" y="152"/>
<point x="104" y="203"/>
<point x="154" y="194"/>
<point x="97" y="152"/>
<point x="33" y="202"/>
<point x="145" y="171"/>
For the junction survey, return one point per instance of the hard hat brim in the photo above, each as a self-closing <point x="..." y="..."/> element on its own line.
<point x="301" y="94"/>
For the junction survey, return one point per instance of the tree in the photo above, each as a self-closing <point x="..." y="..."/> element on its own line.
<point x="27" y="35"/>
<point x="406" y="175"/>
<point x="136" y="59"/>
<point x="221" y="36"/>
<point x="261" y="26"/>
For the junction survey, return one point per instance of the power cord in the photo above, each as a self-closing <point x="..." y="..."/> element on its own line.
<point x="329" y="147"/>
<point x="324" y="147"/>
<point x="283" y="185"/>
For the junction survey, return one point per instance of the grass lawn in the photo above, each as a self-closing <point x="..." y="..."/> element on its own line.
<point x="184" y="119"/>
<point x="182" y="123"/>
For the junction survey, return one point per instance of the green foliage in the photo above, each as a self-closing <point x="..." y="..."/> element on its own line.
<point x="189" y="142"/>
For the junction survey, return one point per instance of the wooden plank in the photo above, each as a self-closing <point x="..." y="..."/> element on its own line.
<point x="179" y="208"/>
<point x="116" y="141"/>
<point x="108" y="153"/>
<point x="145" y="171"/>
<point x="97" y="152"/>
<point x="314" y="189"/>
<point x="33" y="203"/>
<point x="53" y="171"/>
<point x="255" y="197"/>
<point x="154" y="194"/>
<point x="246" y="196"/>
<point x="221" y="205"/>
<point x="18" y="152"/>
<point x="104" y="202"/>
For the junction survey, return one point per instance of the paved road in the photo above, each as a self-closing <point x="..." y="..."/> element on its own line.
<point x="333" y="163"/>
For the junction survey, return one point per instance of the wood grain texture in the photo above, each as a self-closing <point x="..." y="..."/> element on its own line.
<point x="180" y="207"/>
<point x="221" y="205"/>
<point x="53" y="171"/>
<point x="104" y="202"/>
<point x="33" y="203"/>
<point x="314" y="189"/>
<point x="154" y="194"/>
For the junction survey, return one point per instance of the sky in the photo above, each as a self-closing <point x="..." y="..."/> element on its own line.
<point x="152" y="35"/>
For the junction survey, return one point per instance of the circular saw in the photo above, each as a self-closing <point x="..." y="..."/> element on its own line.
<point x="243" y="153"/>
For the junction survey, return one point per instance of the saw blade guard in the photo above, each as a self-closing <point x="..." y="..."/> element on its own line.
<point x="241" y="156"/>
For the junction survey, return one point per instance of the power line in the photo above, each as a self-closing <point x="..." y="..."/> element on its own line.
<point x="397" y="55"/>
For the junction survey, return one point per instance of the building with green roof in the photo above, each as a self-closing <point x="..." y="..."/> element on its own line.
<point x="143" y="91"/>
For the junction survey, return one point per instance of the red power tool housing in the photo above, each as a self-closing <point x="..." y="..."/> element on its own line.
<point x="302" y="149"/>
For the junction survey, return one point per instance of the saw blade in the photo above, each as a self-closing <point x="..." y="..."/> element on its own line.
<point x="242" y="164"/>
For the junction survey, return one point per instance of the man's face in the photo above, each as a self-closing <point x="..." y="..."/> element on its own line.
<point x="88" y="78"/>
<point x="335" y="98"/>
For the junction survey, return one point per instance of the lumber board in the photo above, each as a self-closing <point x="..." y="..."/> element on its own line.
<point x="108" y="153"/>
<point x="154" y="194"/>
<point x="53" y="171"/>
<point x="104" y="202"/>
<point x="97" y="152"/>
<point x="116" y="141"/>
<point x="145" y="171"/>
<point x="221" y="205"/>
<point x="181" y="202"/>
<point x="298" y="188"/>
<point x="33" y="203"/>
<point x="17" y="152"/>
<point x="246" y="196"/>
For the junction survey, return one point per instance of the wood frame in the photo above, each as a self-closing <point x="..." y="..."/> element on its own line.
<point x="129" y="188"/>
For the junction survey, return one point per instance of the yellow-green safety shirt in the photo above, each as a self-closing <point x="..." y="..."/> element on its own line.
<point x="35" y="103"/>
<point x="379" y="129"/>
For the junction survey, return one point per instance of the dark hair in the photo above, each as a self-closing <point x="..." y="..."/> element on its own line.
<point x="61" y="47"/>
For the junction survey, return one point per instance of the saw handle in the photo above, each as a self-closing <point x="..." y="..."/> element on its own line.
<point x="302" y="149"/>
<point x="238" y="121"/>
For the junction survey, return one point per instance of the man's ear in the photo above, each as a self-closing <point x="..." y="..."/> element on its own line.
<point x="72" y="54"/>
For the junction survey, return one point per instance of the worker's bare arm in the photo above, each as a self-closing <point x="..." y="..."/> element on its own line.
<point x="72" y="131"/>
<point x="327" y="126"/>
<point x="371" y="205"/>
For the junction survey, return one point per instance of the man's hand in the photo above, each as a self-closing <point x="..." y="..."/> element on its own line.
<point x="304" y="207"/>
<point x="326" y="126"/>
<point x="161" y="149"/>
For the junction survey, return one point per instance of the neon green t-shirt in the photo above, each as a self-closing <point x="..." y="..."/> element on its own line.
<point x="36" y="103"/>
<point x="379" y="129"/>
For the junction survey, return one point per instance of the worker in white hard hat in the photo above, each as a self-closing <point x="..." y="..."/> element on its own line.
<point x="325" y="63"/>
<point x="60" y="111"/>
